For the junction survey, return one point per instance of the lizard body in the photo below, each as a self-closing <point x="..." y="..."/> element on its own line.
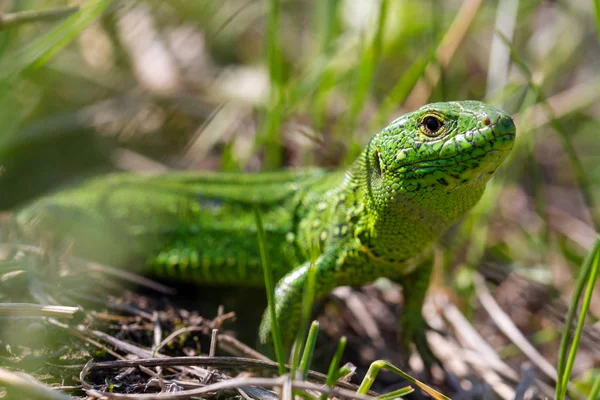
<point x="414" y="179"/>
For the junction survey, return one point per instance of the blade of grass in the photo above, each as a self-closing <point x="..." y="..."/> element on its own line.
<point x="307" y="302"/>
<point x="509" y="329"/>
<point x="270" y="288"/>
<point x="12" y="20"/>
<point x="37" y="310"/>
<point x="587" y="274"/>
<point x="309" y="350"/>
<point x="595" y="392"/>
<point x="332" y="373"/>
<point x="325" y="14"/>
<point x="346" y="369"/>
<point x="376" y="366"/>
<point x="397" y="393"/>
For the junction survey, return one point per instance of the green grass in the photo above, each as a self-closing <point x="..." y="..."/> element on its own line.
<point x="270" y="290"/>
<point x="15" y="64"/>
<point x="341" y="74"/>
<point x="569" y="344"/>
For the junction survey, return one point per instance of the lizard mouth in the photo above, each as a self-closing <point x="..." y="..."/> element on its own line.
<point x="499" y="144"/>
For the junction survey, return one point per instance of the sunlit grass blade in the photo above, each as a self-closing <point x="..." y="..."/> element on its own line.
<point x="309" y="350"/>
<point x="270" y="289"/>
<point x="332" y="373"/>
<point x="376" y="366"/>
<point x="37" y="310"/>
<point x="587" y="276"/>
<point x="325" y="15"/>
<point x="397" y="393"/>
<point x="307" y="302"/>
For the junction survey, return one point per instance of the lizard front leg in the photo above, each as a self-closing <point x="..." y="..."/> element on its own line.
<point x="338" y="267"/>
<point x="330" y="272"/>
<point x="411" y="325"/>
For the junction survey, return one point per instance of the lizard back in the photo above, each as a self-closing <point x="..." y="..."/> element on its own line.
<point x="193" y="226"/>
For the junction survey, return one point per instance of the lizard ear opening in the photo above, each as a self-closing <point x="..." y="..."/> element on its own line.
<point x="377" y="162"/>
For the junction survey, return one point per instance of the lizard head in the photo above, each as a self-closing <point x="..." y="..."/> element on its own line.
<point x="437" y="158"/>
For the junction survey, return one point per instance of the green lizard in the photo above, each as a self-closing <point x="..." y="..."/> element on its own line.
<point x="414" y="179"/>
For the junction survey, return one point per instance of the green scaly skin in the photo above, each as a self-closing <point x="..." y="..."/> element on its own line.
<point x="415" y="178"/>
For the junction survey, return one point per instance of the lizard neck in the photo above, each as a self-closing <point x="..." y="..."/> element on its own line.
<point x="397" y="226"/>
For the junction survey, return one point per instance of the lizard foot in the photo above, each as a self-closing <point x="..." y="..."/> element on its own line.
<point x="412" y="329"/>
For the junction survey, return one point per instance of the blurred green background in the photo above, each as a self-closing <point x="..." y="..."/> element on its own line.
<point x="247" y="85"/>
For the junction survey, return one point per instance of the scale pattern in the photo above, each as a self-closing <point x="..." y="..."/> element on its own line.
<point x="414" y="179"/>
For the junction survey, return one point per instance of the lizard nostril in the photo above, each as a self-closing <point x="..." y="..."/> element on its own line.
<point x="487" y="122"/>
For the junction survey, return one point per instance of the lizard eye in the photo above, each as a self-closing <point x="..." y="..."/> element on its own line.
<point x="432" y="125"/>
